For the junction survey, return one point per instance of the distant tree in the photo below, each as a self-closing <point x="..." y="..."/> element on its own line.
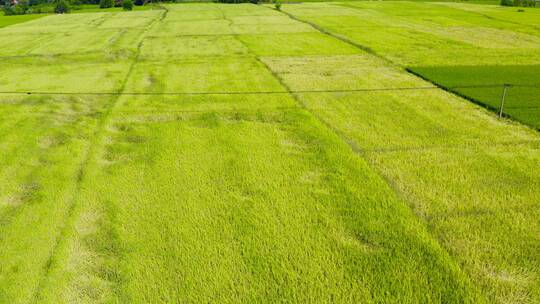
<point x="15" y="8"/>
<point x="23" y="4"/>
<point x="507" y="2"/>
<point x="62" y="7"/>
<point x="7" y="2"/>
<point x="127" y="5"/>
<point x="139" y="2"/>
<point x="106" y="3"/>
<point x="8" y="9"/>
<point x="238" y="1"/>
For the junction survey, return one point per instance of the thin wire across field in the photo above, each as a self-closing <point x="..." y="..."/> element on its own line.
<point x="270" y="92"/>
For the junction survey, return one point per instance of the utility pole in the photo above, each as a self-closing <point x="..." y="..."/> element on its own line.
<point x="503" y="99"/>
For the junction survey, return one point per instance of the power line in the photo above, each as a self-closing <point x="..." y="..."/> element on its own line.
<point x="262" y="92"/>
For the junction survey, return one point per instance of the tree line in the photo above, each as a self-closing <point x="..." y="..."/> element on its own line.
<point x="22" y="7"/>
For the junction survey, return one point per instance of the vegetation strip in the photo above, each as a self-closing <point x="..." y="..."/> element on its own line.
<point x="81" y="175"/>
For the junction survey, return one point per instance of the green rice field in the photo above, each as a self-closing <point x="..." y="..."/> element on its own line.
<point x="450" y="44"/>
<point x="486" y="86"/>
<point x="10" y="20"/>
<point x="215" y="153"/>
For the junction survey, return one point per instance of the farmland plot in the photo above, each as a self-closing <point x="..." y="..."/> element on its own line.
<point x="450" y="44"/>
<point x="171" y="161"/>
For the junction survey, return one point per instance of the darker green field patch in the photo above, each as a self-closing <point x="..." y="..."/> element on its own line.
<point x="10" y="20"/>
<point x="485" y="85"/>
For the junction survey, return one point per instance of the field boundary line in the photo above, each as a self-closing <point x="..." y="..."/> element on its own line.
<point x="83" y="168"/>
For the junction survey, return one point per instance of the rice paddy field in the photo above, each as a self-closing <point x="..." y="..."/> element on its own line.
<point x="10" y="20"/>
<point x="454" y="45"/>
<point x="239" y="154"/>
<point x="485" y="85"/>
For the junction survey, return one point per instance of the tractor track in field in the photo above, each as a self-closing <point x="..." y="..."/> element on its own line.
<point x="87" y="158"/>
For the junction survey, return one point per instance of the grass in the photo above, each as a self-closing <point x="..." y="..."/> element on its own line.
<point x="197" y="186"/>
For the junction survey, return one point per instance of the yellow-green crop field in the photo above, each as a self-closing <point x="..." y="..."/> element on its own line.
<point x="212" y="153"/>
